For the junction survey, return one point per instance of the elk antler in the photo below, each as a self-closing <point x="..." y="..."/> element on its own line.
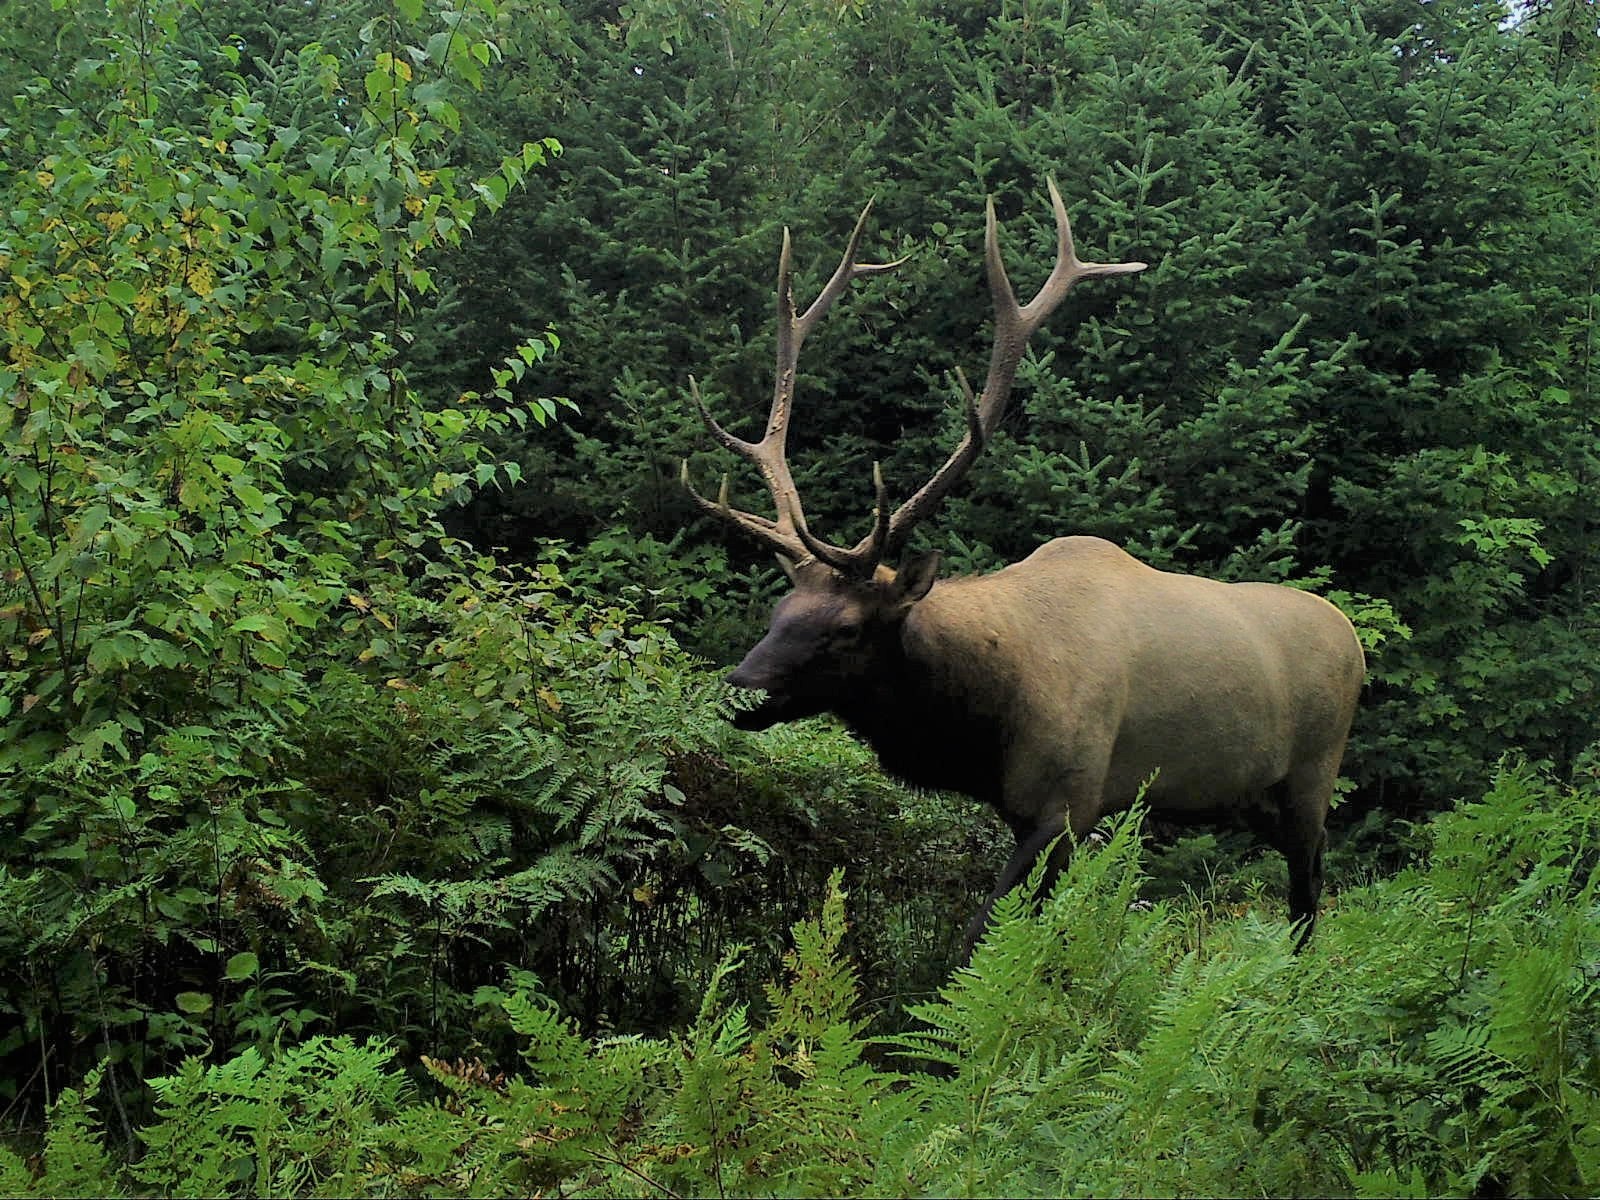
<point x="785" y="534"/>
<point x="1014" y="324"/>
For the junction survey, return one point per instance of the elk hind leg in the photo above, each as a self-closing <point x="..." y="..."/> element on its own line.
<point x="1304" y="798"/>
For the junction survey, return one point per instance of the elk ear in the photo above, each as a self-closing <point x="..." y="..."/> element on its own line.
<point x="789" y="567"/>
<point x="913" y="580"/>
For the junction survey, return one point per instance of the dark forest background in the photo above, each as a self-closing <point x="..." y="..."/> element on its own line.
<point x="372" y="821"/>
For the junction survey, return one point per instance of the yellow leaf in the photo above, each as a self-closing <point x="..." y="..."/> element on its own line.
<point x="201" y="280"/>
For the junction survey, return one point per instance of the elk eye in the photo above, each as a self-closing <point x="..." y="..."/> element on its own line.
<point x="849" y="629"/>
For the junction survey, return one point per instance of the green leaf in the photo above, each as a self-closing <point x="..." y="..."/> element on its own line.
<point x="193" y="1003"/>
<point x="268" y="625"/>
<point x="242" y="965"/>
<point x="109" y="654"/>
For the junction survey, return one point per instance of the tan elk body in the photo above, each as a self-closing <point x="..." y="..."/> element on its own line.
<point x="1058" y="687"/>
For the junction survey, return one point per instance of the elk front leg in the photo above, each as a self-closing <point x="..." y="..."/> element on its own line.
<point x="1030" y="844"/>
<point x="1062" y="801"/>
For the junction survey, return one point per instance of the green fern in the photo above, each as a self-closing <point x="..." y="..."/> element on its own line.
<point x="1092" y="1047"/>
<point x="301" y="1123"/>
<point x="74" y="1161"/>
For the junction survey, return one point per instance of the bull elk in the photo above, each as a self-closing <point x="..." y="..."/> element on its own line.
<point x="1054" y="688"/>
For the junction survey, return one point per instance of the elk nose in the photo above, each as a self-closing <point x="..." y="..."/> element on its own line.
<point x="743" y="677"/>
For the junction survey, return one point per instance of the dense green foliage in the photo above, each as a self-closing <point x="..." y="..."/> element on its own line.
<point x="1098" y="1047"/>
<point x="1364" y="353"/>
<point x="372" y="819"/>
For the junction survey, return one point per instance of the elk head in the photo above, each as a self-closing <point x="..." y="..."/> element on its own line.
<point x="832" y="638"/>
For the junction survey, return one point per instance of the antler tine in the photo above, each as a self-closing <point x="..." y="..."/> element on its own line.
<point x="788" y="533"/>
<point x="1069" y="267"/>
<point x="792" y="329"/>
<point x="758" y="526"/>
<point x="780" y="537"/>
<point x="862" y="558"/>
<point x="843" y="275"/>
<point x="774" y="533"/>
<point x="1014" y="325"/>
<point x="737" y="444"/>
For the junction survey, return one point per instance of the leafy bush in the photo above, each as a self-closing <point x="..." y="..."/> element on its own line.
<point x="550" y="785"/>
<point x="208" y="439"/>
<point x="1440" y="1037"/>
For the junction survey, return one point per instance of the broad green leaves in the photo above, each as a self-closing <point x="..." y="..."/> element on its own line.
<point x="208" y="438"/>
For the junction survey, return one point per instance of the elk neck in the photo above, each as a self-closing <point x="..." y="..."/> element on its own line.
<point x="935" y="711"/>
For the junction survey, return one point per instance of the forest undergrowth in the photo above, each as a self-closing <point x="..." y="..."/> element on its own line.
<point x="1440" y="1037"/>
